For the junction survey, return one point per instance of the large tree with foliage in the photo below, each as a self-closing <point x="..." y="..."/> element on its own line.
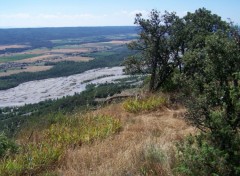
<point x="158" y="46"/>
<point x="204" y="51"/>
<point x="211" y="77"/>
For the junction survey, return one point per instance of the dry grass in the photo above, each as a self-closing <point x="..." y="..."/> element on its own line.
<point x="127" y="153"/>
<point x="75" y="58"/>
<point x="63" y="51"/>
<point x="56" y="58"/>
<point x="48" y="57"/>
<point x="3" y="47"/>
<point x="28" y="69"/>
<point x="45" y="148"/>
<point x="119" y="42"/>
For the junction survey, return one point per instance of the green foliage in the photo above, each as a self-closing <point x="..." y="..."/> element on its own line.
<point x="211" y="63"/>
<point x="197" y="157"/>
<point x="157" y="45"/>
<point x="199" y="25"/>
<point x="17" y="57"/>
<point x="143" y="105"/>
<point x="7" y="146"/>
<point x="77" y="130"/>
<point x="43" y="114"/>
<point x="153" y="160"/>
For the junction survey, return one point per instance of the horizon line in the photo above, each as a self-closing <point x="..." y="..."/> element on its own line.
<point x="15" y="27"/>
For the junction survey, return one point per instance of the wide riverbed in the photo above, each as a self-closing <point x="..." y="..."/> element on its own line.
<point x="53" y="88"/>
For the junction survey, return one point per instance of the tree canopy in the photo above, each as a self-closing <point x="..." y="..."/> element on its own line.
<point x="203" y="52"/>
<point x="159" y="54"/>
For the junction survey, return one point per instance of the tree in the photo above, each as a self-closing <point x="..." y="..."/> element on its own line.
<point x="159" y="54"/>
<point x="199" y="25"/>
<point x="213" y="103"/>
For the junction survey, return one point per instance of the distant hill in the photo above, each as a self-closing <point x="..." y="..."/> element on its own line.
<point x="35" y="36"/>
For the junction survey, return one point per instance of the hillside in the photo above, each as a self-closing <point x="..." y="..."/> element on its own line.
<point x="115" y="139"/>
<point x="181" y="115"/>
<point x="144" y="146"/>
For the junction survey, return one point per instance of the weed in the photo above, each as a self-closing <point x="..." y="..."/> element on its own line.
<point x="36" y="157"/>
<point x="144" y="105"/>
<point x="153" y="160"/>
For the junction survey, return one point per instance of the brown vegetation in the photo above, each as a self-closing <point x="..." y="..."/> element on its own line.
<point x="39" y="58"/>
<point x="27" y="69"/>
<point x="69" y="50"/>
<point x="78" y="59"/>
<point x="55" y="58"/>
<point x="127" y="152"/>
<point x="3" y="47"/>
<point x="119" y="41"/>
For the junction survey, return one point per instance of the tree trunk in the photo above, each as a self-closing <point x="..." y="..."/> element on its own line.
<point x="153" y="75"/>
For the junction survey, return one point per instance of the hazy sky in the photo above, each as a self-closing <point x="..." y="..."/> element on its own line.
<point x="55" y="13"/>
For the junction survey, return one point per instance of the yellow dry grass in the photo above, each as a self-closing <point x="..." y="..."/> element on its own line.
<point x="63" y="51"/>
<point x="78" y="59"/>
<point x="119" y="42"/>
<point x="122" y="154"/>
<point x="56" y="58"/>
<point x="3" y="47"/>
<point x="38" y="51"/>
<point x="28" y="69"/>
<point x="40" y="58"/>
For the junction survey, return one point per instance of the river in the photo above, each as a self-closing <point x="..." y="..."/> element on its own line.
<point x="53" y="88"/>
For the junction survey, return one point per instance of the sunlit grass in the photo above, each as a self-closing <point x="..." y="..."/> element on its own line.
<point x="144" y="104"/>
<point x="49" y="149"/>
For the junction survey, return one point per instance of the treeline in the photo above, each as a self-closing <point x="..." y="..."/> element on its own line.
<point x="110" y="58"/>
<point x="197" y="57"/>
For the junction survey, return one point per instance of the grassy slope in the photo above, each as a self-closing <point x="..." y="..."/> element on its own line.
<point x="145" y="146"/>
<point x="91" y="144"/>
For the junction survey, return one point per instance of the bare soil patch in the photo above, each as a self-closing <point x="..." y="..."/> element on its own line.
<point x="119" y="41"/>
<point x="55" y="58"/>
<point x="27" y="69"/>
<point x="3" y="47"/>
<point x="62" y="51"/>
<point x="77" y="59"/>
<point x="40" y="58"/>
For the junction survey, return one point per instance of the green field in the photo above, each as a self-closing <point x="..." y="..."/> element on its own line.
<point x="17" y="57"/>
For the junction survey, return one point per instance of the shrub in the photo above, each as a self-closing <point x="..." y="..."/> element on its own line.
<point x="196" y="156"/>
<point x="143" y="105"/>
<point x="7" y="146"/>
<point x="153" y="161"/>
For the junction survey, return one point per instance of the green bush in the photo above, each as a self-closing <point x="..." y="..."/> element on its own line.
<point x="196" y="156"/>
<point x="153" y="161"/>
<point x="143" y="105"/>
<point x="7" y="146"/>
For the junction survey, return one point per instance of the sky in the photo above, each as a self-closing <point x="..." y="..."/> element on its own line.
<point x="70" y="13"/>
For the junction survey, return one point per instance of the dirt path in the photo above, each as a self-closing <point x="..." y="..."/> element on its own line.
<point x="123" y="153"/>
